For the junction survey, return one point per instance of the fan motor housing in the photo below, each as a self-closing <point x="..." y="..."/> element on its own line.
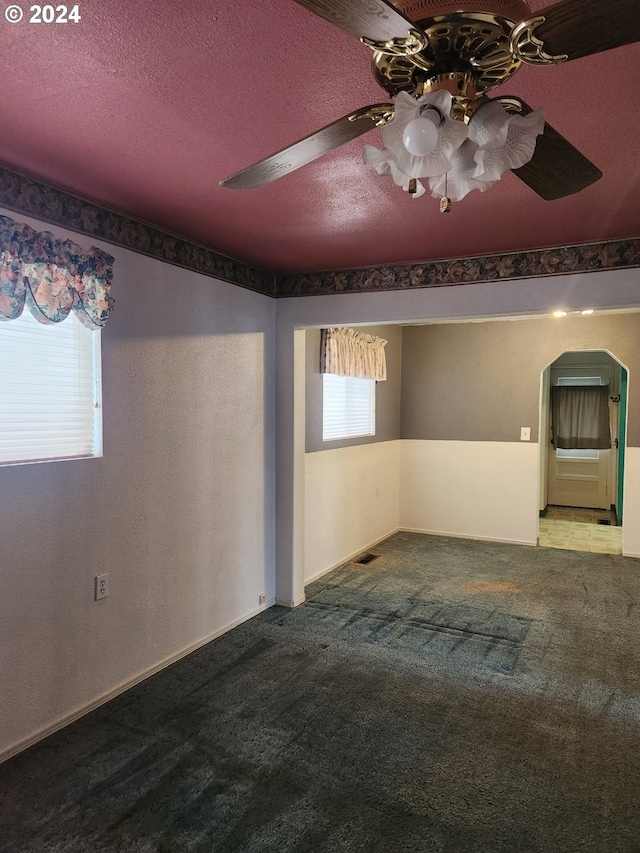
<point x="467" y="50"/>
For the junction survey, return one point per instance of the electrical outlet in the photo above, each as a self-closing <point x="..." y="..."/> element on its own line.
<point x="525" y="433"/>
<point x="377" y="493"/>
<point x="262" y="598"/>
<point x="101" y="586"/>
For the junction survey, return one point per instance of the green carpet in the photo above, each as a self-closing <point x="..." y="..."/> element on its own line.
<point x="452" y="696"/>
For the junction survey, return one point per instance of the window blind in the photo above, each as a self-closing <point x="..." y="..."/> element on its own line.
<point x="50" y="391"/>
<point x="348" y="407"/>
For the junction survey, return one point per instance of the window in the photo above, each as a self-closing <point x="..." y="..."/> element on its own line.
<point x="581" y="380"/>
<point x="348" y="407"/>
<point x="563" y="453"/>
<point x="50" y="391"/>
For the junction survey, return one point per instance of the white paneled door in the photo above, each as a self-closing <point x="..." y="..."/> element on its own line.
<point x="581" y="479"/>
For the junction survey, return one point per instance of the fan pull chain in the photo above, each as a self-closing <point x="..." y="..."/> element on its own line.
<point x="445" y="201"/>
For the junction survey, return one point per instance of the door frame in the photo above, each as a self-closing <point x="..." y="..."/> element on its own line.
<point x="544" y="425"/>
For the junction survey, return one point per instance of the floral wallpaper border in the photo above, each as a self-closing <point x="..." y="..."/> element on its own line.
<point x="591" y="257"/>
<point x="32" y="198"/>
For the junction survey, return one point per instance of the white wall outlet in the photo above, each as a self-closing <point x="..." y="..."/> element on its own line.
<point x="525" y="433"/>
<point x="101" y="589"/>
<point x="262" y="598"/>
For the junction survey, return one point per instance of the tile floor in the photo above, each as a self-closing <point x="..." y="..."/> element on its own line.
<point x="577" y="529"/>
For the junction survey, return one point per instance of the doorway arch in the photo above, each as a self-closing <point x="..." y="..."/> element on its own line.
<point x="582" y="363"/>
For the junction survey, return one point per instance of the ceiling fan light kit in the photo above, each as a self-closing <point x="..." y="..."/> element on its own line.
<point x="437" y="64"/>
<point x="466" y="155"/>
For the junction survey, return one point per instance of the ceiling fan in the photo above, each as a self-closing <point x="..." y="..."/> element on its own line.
<point x="438" y="63"/>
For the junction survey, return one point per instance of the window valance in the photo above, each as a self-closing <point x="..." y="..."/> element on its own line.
<point x="52" y="277"/>
<point x="347" y="352"/>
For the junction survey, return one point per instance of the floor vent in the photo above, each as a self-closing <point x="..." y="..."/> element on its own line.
<point x="366" y="559"/>
<point x="603" y="521"/>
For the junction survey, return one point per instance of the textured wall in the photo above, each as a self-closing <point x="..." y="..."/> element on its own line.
<point x="387" y="392"/>
<point x="179" y="511"/>
<point x="481" y="381"/>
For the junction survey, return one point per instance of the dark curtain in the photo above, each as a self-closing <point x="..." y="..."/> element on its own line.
<point x="580" y="417"/>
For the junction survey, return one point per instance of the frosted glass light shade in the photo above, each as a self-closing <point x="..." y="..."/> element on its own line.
<point x="384" y="163"/>
<point x="461" y="176"/>
<point x="505" y="141"/>
<point x="451" y="134"/>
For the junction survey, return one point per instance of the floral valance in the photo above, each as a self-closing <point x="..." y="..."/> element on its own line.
<point x="347" y="352"/>
<point x="52" y="277"/>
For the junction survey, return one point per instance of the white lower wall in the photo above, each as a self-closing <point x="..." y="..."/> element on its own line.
<point x="631" y="504"/>
<point x="351" y="501"/>
<point x="473" y="489"/>
<point x="477" y="489"/>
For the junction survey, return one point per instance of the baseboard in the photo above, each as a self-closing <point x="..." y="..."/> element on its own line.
<point x="346" y="559"/>
<point x="290" y="602"/>
<point x="126" y="685"/>
<point x="630" y="554"/>
<point x="468" y="536"/>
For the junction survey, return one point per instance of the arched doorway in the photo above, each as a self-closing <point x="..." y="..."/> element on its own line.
<point x="581" y="479"/>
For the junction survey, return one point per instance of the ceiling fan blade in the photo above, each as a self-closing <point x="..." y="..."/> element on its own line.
<point x="311" y="147"/>
<point x="373" y="20"/>
<point x="574" y="28"/>
<point x="557" y="168"/>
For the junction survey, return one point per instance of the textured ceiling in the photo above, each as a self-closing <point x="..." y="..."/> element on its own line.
<point x="146" y="111"/>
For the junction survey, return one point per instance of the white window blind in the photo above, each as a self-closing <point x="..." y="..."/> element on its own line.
<point x="50" y="391"/>
<point x="348" y="407"/>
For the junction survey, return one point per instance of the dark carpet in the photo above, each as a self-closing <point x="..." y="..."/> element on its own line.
<point x="452" y="696"/>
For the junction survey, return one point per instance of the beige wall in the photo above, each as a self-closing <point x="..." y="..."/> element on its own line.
<point x="481" y="381"/>
<point x="387" y="392"/>
<point x="179" y="511"/>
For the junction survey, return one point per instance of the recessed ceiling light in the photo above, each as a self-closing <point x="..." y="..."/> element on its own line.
<point x="559" y="313"/>
<point x="588" y="311"/>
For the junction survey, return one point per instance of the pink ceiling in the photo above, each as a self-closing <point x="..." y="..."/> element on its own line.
<point x="145" y="107"/>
